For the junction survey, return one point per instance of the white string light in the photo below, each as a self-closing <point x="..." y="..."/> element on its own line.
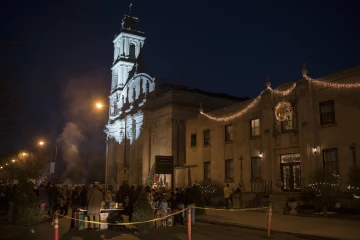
<point x="236" y="115"/>
<point x="281" y="93"/>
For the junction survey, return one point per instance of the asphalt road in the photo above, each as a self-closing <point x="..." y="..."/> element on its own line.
<point x="199" y="231"/>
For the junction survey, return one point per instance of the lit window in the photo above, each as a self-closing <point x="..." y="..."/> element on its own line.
<point x="255" y="127"/>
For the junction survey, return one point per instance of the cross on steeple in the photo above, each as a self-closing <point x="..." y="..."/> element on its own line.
<point x="130" y="7"/>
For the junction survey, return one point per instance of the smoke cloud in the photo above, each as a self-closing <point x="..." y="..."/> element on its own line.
<point x="71" y="138"/>
<point x="82" y="139"/>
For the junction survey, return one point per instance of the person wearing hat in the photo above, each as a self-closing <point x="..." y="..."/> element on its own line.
<point x="95" y="198"/>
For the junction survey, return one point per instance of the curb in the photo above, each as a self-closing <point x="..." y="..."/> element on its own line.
<point x="297" y="234"/>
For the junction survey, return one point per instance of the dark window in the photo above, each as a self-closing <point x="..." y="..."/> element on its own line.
<point x="193" y="140"/>
<point x="207" y="170"/>
<point x="327" y="112"/>
<point x="255" y="168"/>
<point x="229" y="169"/>
<point x="290" y="172"/>
<point x="255" y="127"/>
<point x="207" y="137"/>
<point x="331" y="161"/>
<point x="132" y="51"/>
<point x="229" y="135"/>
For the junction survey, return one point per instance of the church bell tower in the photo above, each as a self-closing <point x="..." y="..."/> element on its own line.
<point x="127" y="46"/>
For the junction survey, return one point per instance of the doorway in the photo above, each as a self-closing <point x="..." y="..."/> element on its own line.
<point x="290" y="172"/>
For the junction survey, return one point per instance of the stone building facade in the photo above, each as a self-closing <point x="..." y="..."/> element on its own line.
<point x="273" y="143"/>
<point x="147" y="118"/>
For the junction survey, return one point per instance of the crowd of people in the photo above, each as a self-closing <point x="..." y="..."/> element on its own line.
<point x="93" y="198"/>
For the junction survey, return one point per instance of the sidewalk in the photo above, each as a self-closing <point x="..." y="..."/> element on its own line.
<point x="320" y="227"/>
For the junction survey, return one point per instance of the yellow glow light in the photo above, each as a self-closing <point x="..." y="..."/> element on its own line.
<point x="99" y="105"/>
<point x="41" y="143"/>
<point x="13" y="160"/>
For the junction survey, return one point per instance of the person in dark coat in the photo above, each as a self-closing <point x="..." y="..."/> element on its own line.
<point x="43" y="197"/>
<point x="131" y="202"/>
<point x="83" y="196"/>
<point x="75" y="203"/>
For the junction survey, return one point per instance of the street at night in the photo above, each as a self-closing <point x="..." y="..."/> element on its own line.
<point x="199" y="231"/>
<point x="132" y="119"/>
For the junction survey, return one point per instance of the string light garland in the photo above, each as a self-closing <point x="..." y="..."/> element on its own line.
<point x="236" y="115"/>
<point x="322" y="189"/>
<point x="331" y="84"/>
<point x="281" y="93"/>
<point x="206" y="188"/>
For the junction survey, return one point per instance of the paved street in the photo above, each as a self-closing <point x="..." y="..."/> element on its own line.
<point x="200" y="231"/>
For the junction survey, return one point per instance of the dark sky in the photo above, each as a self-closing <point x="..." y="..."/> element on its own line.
<point x="64" y="60"/>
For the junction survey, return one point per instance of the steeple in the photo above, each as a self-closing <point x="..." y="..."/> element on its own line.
<point x="127" y="47"/>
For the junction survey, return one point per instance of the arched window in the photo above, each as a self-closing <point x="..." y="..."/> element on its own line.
<point x="132" y="51"/>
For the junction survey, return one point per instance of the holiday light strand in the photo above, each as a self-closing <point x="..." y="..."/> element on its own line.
<point x="281" y="93"/>
<point x="236" y="115"/>
<point x="331" y="84"/>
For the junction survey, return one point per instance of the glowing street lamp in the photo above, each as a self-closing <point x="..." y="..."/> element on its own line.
<point x="13" y="160"/>
<point x="24" y="154"/>
<point x="99" y="105"/>
<point x="42" y="143"/>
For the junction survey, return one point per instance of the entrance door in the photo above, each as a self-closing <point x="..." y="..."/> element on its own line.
<point x="290" y="172"/>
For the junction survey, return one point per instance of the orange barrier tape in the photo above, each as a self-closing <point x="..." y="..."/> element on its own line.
<point x="129" y="223"/>
<point x="232" y="210"/>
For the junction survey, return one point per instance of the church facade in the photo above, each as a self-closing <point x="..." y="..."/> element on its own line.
<point x="147" y="118"/>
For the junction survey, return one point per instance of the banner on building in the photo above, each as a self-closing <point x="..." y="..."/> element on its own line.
<point x="164" y="164"/>
<point x="52" y="167"/>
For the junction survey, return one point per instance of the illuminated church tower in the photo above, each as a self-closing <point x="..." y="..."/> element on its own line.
<point x="129" y="91"/>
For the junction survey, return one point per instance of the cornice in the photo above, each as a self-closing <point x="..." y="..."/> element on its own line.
<point x="129" y="35"/>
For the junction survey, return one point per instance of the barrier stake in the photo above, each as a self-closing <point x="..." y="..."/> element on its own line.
<point x="269" y="220"/>
<point x="189" y="223"/>
<point x="56" y="227"/>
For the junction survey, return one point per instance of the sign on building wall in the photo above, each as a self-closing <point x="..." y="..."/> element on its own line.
<point x="164" y="164"/>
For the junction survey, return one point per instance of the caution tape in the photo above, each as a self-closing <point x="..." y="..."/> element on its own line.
<point x="129" y="223"/>
<point x="169" y="215"/>
<point x="231" y="210"/>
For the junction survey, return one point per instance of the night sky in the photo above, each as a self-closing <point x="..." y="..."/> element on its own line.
<point x="63" y="62"/>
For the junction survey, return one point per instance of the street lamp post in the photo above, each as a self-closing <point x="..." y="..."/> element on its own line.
<point x="99" y="105"/>
<point x="42" y="143"/>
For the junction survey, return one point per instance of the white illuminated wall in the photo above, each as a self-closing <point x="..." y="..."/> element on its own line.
<point x="122" y="67"/>
<point x="130" y="99"/>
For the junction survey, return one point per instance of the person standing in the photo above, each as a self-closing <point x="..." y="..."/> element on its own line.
<point x="95" y="198"/>
<point x="227" y="195"/>
<point x="75" y="204"/>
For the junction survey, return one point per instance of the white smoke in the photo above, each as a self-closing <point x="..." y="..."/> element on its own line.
<point x="70" y="140"/>
<point x="82" y="138"/>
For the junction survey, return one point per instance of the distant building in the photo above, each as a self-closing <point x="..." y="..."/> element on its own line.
<point x="150" y="116"/>
<point x="274" y="142"/>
